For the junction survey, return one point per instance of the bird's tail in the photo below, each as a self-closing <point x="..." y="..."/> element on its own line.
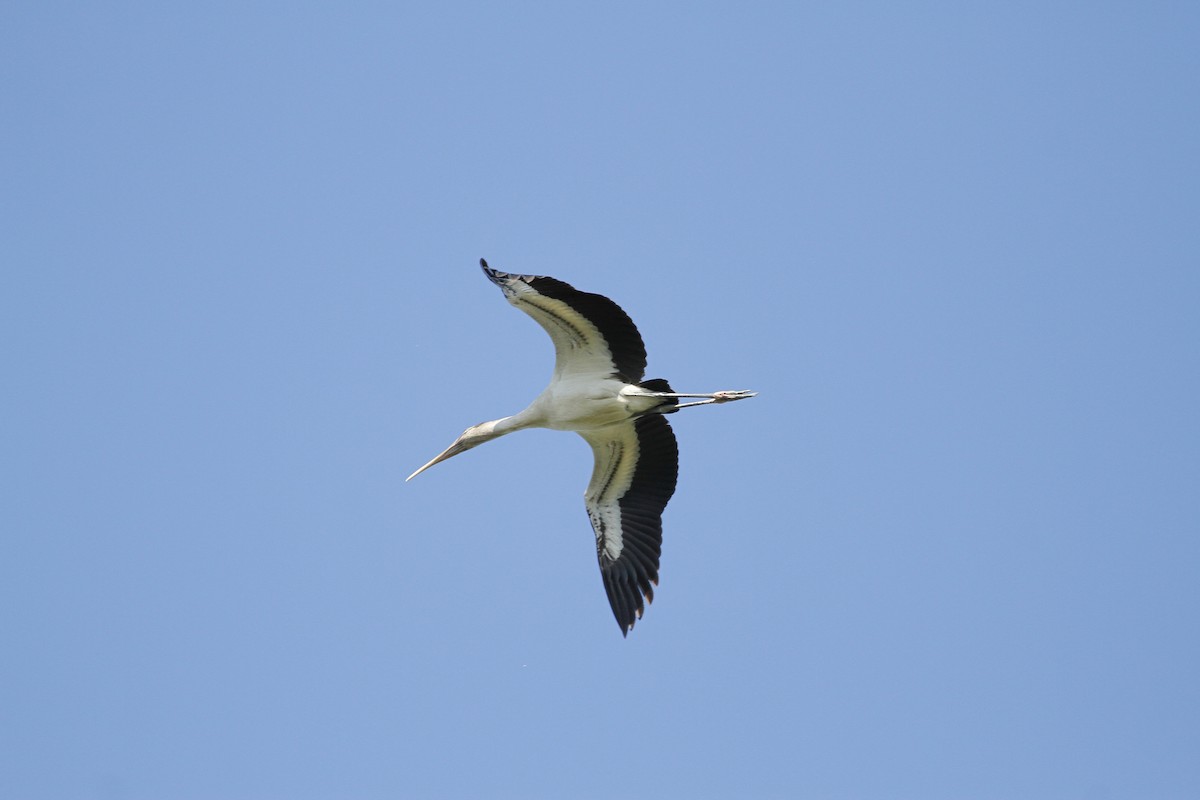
<point x="668" y="405"/>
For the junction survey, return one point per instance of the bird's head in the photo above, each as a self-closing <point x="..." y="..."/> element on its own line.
<point x="471" y="437"/>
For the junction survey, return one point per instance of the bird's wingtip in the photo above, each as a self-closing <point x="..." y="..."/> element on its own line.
<point x="483" y="263"/>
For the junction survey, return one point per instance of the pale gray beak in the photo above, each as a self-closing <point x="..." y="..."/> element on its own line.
<point x="458" y="447"/>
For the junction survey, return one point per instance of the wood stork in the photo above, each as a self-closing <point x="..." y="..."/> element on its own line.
<point x="597" y="391"/>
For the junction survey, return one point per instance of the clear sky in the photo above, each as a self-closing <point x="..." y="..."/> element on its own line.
<point x="951" y="551"/>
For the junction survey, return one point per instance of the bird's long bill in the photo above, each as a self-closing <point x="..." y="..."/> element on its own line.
<point x="452" y="450"/>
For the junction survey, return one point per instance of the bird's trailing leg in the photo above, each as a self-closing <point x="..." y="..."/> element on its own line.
<point x="727" y="396"/>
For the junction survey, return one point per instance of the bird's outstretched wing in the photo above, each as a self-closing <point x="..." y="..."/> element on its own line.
<point x="591" y="334"/>
<point x="637" y="464"/>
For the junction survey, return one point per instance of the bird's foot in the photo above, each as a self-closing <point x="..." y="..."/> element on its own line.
<point x="730" y="395"/>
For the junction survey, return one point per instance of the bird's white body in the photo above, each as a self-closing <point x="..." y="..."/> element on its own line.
<point x="582" y="403"/>
<point x="596" y="391"/>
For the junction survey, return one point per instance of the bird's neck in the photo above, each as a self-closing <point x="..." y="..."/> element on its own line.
<point x="508" y="424"/>
<point x="531" y="417"/>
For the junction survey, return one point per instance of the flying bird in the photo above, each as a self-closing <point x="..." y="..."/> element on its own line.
<point x="597" y="391"/>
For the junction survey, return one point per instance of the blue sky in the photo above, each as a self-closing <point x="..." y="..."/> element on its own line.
<point x="950" y="551"/>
